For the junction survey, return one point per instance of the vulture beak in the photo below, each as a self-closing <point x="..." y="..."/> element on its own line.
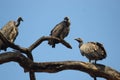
<point x="20" y="19"/>
<point x="79" y="40"/>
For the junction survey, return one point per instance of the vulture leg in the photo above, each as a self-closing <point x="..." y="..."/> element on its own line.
<point x="89" y="61"/>
<point x="53" y="46"/>
<point x="95" y="78"/>
<point x="95" y="61"/>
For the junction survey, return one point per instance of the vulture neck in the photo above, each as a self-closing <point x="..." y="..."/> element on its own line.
<point x="18" y="23"/>
<point x="67" y="23"/>
<point x="80" y="44"/>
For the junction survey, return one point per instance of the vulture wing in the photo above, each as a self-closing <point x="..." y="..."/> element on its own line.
<point x="57" y="30"/>
<point x="93" y="50"/>
<point x="10" y="31"/>
<point x="103" y="51"/>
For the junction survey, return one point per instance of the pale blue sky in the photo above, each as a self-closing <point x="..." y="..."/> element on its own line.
<point x="92" y="20"/>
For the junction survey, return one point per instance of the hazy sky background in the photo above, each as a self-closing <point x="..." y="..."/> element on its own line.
<point x="92" y="20"/>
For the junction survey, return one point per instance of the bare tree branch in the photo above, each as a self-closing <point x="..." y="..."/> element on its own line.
<point x="34" y="45"/>
<point x="44" y="38"/>
<point x="28" y="51"/>
<point x="12" y="45"/>
<point x="98" y="70"/>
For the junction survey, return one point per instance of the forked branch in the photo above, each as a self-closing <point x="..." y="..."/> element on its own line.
<point x="34" y="45"/>
<point x="28" y="51"/>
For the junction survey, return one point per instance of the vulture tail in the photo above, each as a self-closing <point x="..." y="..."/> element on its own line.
<point x="52" y="43"/>
<point x="2" y="46"/>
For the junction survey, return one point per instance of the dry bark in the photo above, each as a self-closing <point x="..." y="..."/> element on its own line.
<point x="97" y="70"/>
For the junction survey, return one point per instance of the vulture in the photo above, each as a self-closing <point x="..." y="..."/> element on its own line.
<point x="60" y="31"/>
<point x="10" y="32"/>
<point x="92" y="50"/>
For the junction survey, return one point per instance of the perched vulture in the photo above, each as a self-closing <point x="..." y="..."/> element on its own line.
<point x="92" y="50"/>
<point x="60" y="31"/>
<point x="10" y="31"/>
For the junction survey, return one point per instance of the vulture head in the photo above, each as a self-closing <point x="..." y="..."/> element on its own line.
<point x="66" y="19"/>
<point x="80" y="41"/>
<point x="18" y="21"/>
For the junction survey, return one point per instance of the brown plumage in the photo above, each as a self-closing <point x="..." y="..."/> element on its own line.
<point x="60" y="31"/>
<point x="92" y="50"/>
<point x="10" y="31"/>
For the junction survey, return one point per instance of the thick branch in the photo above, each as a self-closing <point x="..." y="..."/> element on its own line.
<point x="51" y="67"/>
